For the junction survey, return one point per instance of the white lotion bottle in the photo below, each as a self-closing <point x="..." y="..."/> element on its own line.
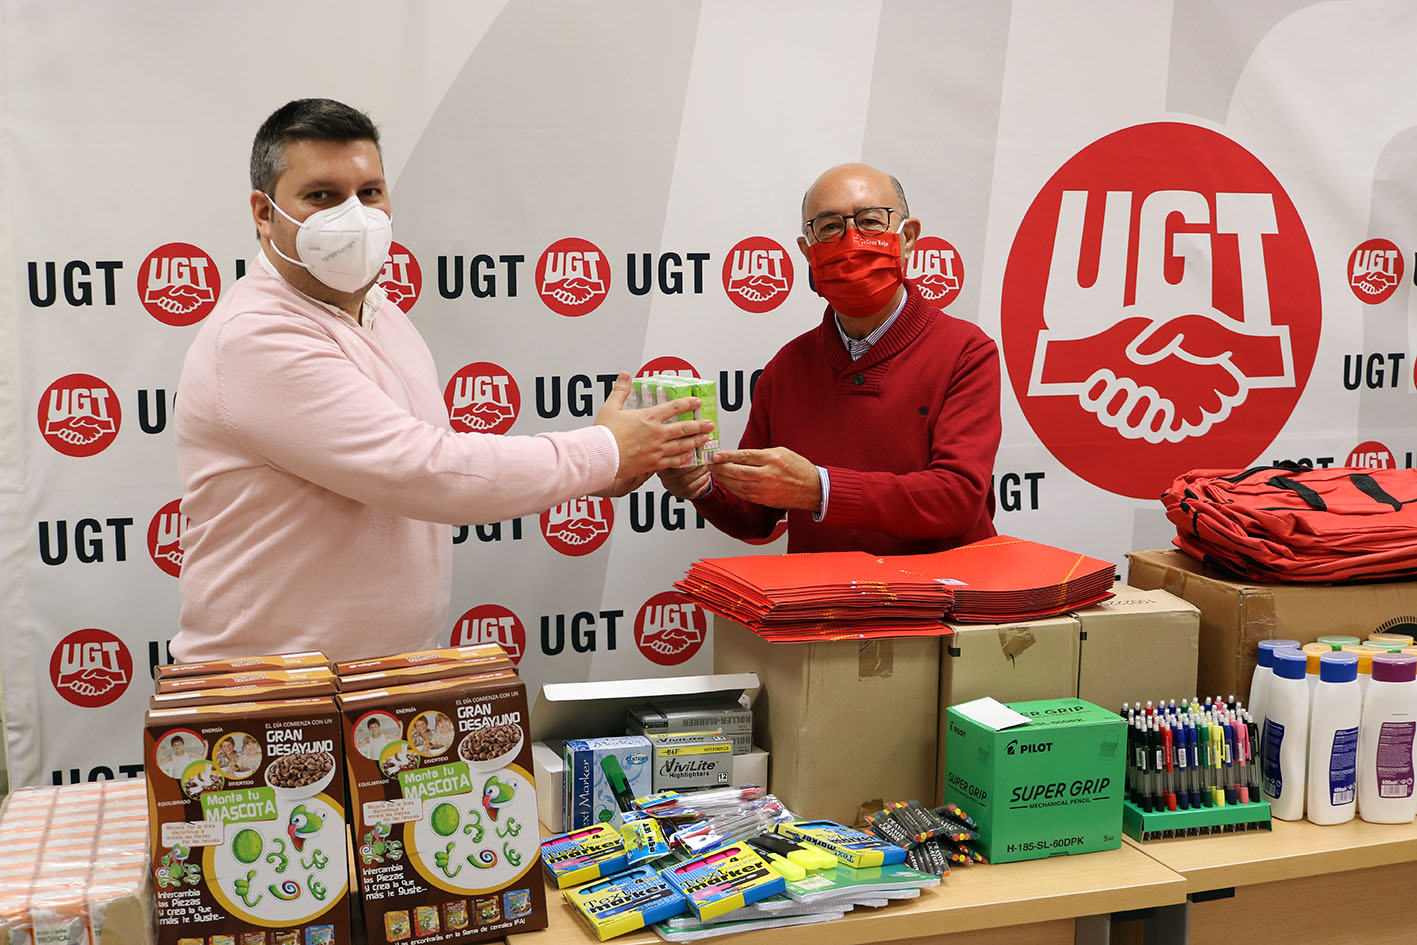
<point x="1285" y="737"/>
<point x="1333" y="741"/>
<point x="1386" y="739"/>
<point x="1260" y="679"/>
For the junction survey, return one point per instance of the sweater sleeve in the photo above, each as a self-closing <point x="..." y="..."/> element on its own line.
<point x="290" y="396"/>
<point x="946" y="498"/>
<point x="731" y="515"/>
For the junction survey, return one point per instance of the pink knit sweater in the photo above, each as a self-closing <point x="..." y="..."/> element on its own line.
<point x="316" y="458"/>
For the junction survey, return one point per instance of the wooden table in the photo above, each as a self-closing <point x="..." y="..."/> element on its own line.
<point x="1295" y="883"/>
<point x="1036" y="901"/>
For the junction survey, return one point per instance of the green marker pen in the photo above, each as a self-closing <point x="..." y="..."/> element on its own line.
<point x="619" y="784"/>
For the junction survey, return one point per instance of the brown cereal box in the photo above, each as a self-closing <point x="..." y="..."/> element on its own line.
<point x="256" y="677"/>
<point x="243" y="664"/>
<point x="247" y="821"/>
<point x="472" y="653"/>
<point x="255" y="692"/>
<point x="444" y="809"/>
<point x="388" y="678"/>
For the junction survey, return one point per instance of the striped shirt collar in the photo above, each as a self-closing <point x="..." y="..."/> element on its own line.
<point x="857" y="347"/>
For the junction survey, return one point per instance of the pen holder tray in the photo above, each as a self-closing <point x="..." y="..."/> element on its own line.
<point x="1156" y="825"/>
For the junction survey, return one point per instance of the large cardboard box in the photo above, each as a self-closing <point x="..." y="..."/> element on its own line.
<point x="1236" y="615"/>
<point x="849" y="723"/>
<point x="1139" y="645"/>
<point x="1050" y="784"/>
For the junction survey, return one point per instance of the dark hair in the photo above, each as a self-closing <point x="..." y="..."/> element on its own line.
<point x="305" y="119"/>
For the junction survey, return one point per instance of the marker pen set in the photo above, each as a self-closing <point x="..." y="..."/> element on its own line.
<point x="1191" y="756"/>
<point x="934" y="839"/>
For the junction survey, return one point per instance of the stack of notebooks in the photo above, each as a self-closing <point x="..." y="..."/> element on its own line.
<point x="819" y="596"/>
<point x="848" y="594"/>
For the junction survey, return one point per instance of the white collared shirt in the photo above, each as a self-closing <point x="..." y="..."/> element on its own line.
<point x="374" y="299"/>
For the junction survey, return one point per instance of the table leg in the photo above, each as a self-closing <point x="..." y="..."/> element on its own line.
<point x="1092" y="930"/>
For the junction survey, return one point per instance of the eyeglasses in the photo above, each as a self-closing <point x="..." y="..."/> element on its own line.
<point x="832" y="226"/>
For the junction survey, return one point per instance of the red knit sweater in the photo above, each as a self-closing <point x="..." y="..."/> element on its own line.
<point x="907" y="434"/>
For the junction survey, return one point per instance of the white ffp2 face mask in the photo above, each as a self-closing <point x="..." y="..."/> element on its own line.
<point x="344" y="247"/>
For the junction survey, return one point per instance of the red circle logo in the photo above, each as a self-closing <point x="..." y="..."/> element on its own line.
<point x="491" y="623"/>
<point x="670" y="628"/>
<point x="79" y="415"/>
<point x="90" y="668"/>
<point x="578" y="527"/>
<point x="572" y="277"/>
<point x="401" y="278"/>
<point x="936" y="268"/>
<point x="757" y="274"/>
<point x="165" y="537"/>
<point x="178" y="284"/>
<point x="667" y="365"/>
<point x="1374" y="270"/>
<point x="482" y="397"/>
<point x="1371" y="455"/>
<point x="1160" y="308"/>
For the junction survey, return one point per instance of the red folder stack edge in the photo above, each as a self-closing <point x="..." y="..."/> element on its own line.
<point x="1005" y="578"/>
<point x="822" y="596"/>
<point x="851" y="594"/>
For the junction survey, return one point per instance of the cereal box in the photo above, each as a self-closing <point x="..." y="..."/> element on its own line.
<point x="444" y="809"/>
<point x="247" y="822"/>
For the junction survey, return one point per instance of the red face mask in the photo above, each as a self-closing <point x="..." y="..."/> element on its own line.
<point x="859" y="273"/>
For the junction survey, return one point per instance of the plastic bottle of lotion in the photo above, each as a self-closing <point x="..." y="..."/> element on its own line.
<point x="1259" y="681"/>
<point x="1285" y="738"/>
<point x="1313" y="651"/>
<point x="1339" y="640"/>
<point x="1333" y="741"/>
<point x="1386" y="738"/>
<point x="1365" y="665"/>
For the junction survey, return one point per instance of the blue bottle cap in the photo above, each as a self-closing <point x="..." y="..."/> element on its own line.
<point x="1290" y="663"/>
<point x="1338" y="667"/>
<point x="1265" y="656"/>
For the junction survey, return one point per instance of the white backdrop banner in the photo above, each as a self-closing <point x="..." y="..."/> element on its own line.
<point x="1187" y="225"/>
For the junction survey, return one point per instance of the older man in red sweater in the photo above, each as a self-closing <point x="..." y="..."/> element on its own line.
<point x="875" y="431"/>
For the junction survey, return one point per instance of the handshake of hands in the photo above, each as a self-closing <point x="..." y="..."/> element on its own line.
<point x="776" y="477"/>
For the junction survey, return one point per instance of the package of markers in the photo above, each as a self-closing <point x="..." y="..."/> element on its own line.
<point x="583" y="855"/>
<point x="724" y="880"/>
<point x="644" y="840"/>
<point x="626" y="902"/>
<point x="847" y="844"/>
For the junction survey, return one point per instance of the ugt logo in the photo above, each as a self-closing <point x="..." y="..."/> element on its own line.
<point x="79" y="415"/>
<point x="1160" y="308"/>
<point x="165" y="537"/>
<point x="482" y="397"/>
<point x="578" y="527"/>
<point x="1374" y="270"/>
<point x="670" y="628"/>
<point x="90" y="668"/>
<point x="572" y="277"/>
<point x="757" y="274"/>
<point x="936" y="268"/>
<point x="178" y="284"/>
<point x="401" y="278"/>
<point x="491" y="623"/>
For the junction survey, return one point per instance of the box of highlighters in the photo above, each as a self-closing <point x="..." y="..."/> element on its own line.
<point x="1192" y="768"/>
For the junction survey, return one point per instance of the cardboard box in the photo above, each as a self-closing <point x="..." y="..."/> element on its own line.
<point x="587" y="798"/>
<point x="687" y="761"/>
<point x="1050" y="785"/>
<point x="597" y="709"/>
<point x="1137" y="646"/>
<point x="1236" y="615"/>
<point x="850" y="724"/>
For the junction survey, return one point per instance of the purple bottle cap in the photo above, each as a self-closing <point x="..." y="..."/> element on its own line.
<point x="1394" y="667"/>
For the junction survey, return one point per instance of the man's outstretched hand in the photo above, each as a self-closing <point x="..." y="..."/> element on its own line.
<point x="649" y="438"/>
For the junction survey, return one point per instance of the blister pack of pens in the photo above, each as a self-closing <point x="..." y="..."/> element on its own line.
<point x="627" y="901"/>
<point x="724" y="880"/>
<point x="849" y="845"/>
<point x="583" y="855"/>
<point x="644" y="840"/>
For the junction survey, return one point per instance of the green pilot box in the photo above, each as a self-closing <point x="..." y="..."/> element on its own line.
<point x="1052" y="784"/>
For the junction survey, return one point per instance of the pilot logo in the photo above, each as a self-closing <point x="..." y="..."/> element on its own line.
<point x="937" y="269"/>
<point x="90" y="668"/>
<point x="401" y="278"/>
<point x="1371" y="455"/>
<point x="670" y="628"/>
<point x="572" y="277"/>
<point x="757" y="274"/>
<point x="668" y="364"/>
<point x="1012" y="747"/>
<point x="578" y="527"/>
<point x="1374" y="270"/>
<point x="79" y="415"/>
<point x="491" y="623"/>
<point x="1160" y="308"/>
<point x="164" y="538"/>
<point x="178" y="284"/>
<point x="482" y="398"/>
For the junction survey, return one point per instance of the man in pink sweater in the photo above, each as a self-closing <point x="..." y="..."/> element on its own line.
<point x="315" y="452"/>
<point x="875" y="431"/>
